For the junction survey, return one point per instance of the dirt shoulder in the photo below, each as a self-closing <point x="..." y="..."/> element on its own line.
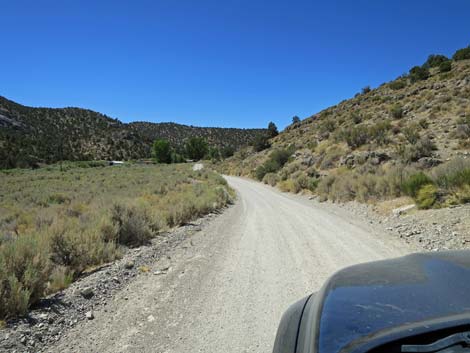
<point x="428" y="230"/>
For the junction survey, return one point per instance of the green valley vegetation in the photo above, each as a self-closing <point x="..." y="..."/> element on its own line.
<point x="406" y="138"/>
<point x="57" y="222"/>
<point x="30" y="137"/>
<point x="195" y="148"/>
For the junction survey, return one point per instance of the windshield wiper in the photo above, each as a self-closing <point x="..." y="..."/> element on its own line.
<point x="440" y="345"/>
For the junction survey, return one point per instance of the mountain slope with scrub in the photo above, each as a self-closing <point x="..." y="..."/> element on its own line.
<point x="30" y="136"/>
<point x="410" y="136"/>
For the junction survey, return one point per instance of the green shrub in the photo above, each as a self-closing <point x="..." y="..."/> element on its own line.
<point x="134" y="225"/>
<point x="24" y="273"/>
<point x="313" y="184"/>
<point x="276" y="161"/>
<point x="426" y="196"/>
<point x="261" y="142"/>
<point x="196" y="148"/>
<point x="227" y="151"/>
<point x="396" y="112"/>
<point x="356" y="118"/>
<point x="411" y="153"/>
<point x="75" y="249"/>
<point x="289" y="185"/>
<point x="260" y="172"/>
<point x="423" y="123"/>
<point x="411" y="133"/>
<point x="379" y="132"/>
<point x="327" y="125"/>
<point x="280" y="156"/>
<point x="419" y="73"/>
<point x="331" y="156"/>
<point x="271" y="179"/>
<point x="414" y="183"/>
<point x="355" y="136"/>
<point x="300" y="181"/>
<point x="445" y="66"/>
<point x="435" y="60"/>
<point x="462" y="54"/>
<point x="453" y="174"/>
<point x="59" y="198"/>
<point x="161" y="151"/>
<point x="397" y="84"/>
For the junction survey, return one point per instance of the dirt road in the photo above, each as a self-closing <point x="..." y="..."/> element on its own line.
<point x="228" y="284"/>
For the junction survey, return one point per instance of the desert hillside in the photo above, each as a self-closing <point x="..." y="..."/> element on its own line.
<point x="408" y="135"/>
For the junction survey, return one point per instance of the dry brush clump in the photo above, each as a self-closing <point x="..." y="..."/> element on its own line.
<point x="444" y="185"/>
<point x="54" y="223"/>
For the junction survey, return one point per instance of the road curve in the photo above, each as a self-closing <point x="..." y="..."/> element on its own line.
<point x="230" y="283"/>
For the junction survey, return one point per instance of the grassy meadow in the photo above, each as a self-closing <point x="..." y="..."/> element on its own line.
<point x="58" y="221"/>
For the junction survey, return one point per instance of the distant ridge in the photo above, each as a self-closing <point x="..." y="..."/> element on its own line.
<point x="45" y="135"/>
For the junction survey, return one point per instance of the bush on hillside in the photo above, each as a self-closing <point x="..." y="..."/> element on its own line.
<point x="379" y="132"/>
<point x="453" y="174"/>
<point x="280" y="156"/>
<point x="435" y="60"/>
<point x="426" y="196"/>
<point x="414" y="183"/>
<point x="227" y="151"/>
<point x="409" y="153"/>
<point x="355" y="136"/>
<point x="276" y="161"/>
<point x="411" y="133"/>
<point x="423" y="123"/>
<point x="419" y="73"/>
<point x="397" y="84"/>
<point x="356" y="118"/>
<point x="462" y="54"/>
<point x="261" y="142"/>
<point x="445" y="66"/>
<point x="396" y="111"/>
<point x="271" y="179"/>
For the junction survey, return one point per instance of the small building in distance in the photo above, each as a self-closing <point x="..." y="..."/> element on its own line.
<point x="116" y="162"/>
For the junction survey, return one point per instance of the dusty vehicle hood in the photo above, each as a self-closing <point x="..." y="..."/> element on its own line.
<point x="364" y="300"/>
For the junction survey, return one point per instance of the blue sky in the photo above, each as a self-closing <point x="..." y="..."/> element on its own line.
<point x="216" y="63"/>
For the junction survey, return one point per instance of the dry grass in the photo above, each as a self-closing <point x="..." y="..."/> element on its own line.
<point x="387" y="206"/>
<point x="56" y="224"/>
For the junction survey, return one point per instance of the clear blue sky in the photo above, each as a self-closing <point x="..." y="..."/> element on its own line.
<point x="216" y="62"/>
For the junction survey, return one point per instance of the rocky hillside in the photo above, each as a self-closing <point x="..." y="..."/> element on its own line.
<point x="29" y="136"/>
<point x="410" y="136"/>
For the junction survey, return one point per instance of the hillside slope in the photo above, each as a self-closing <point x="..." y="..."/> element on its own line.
<point x="31" y="135"/>
<point x="368" y="147"/>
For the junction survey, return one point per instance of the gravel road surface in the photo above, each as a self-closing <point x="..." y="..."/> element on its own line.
<point x="228" y="285"/>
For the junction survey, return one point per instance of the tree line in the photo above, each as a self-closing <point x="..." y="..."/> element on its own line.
<point x="195" y="148"/>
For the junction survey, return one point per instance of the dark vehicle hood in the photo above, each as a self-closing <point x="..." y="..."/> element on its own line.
<point x="364" y="300"/>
